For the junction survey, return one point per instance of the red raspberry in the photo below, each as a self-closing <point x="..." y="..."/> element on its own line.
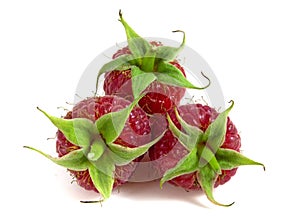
<point x="135" y="133"/>
<point x="166" y="153"/>
<point x="160" y="97"/>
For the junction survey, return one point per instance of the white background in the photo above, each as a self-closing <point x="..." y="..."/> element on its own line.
<point x="253" y="48"/>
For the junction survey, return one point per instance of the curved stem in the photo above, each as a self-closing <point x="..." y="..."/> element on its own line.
<point x="206" y="77"/>
<point x="183" y="39"/>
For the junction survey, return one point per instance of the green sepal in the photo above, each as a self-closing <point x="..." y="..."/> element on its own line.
<point x="140" y="80"/>
<point x="105" y="164"/>
<point x="122" y="61"/>
<point x="214" y="137"/>
<point x="167" y="53"/>
<point x="206" y="177"/>
<point x="169" y="74"/>
<point x="149" y="61"/>
<point x="124" y="155"/>
<point x="102" y="175"/>
<point x="229" y="159"/>
<point x="118" y="63"/>
<point x="98" y="147"/>
<point x="78" y="131"/>
<point x="112" y="124"/>
<point x="183" y="138"/>
<point x="191" y="136"/>
<point x="75" y="160"/>
<point x="137" y="45"/>
<point x="191" y="130"/>
<point x="188" y="139"/>
<point x="187" y="164"/>
<point x="213" y="162"/>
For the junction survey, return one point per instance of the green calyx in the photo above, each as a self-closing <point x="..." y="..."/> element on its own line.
<point x="206" y="157"/>
<point x="149" y="59"/>
<point x="97" y="153"/>
<point x="145" y="55"/>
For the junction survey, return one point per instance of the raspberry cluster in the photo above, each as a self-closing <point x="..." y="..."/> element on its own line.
<point x="141" y="116"/>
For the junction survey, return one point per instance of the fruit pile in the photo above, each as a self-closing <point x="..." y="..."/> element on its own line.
<point x="102" y="140"/>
